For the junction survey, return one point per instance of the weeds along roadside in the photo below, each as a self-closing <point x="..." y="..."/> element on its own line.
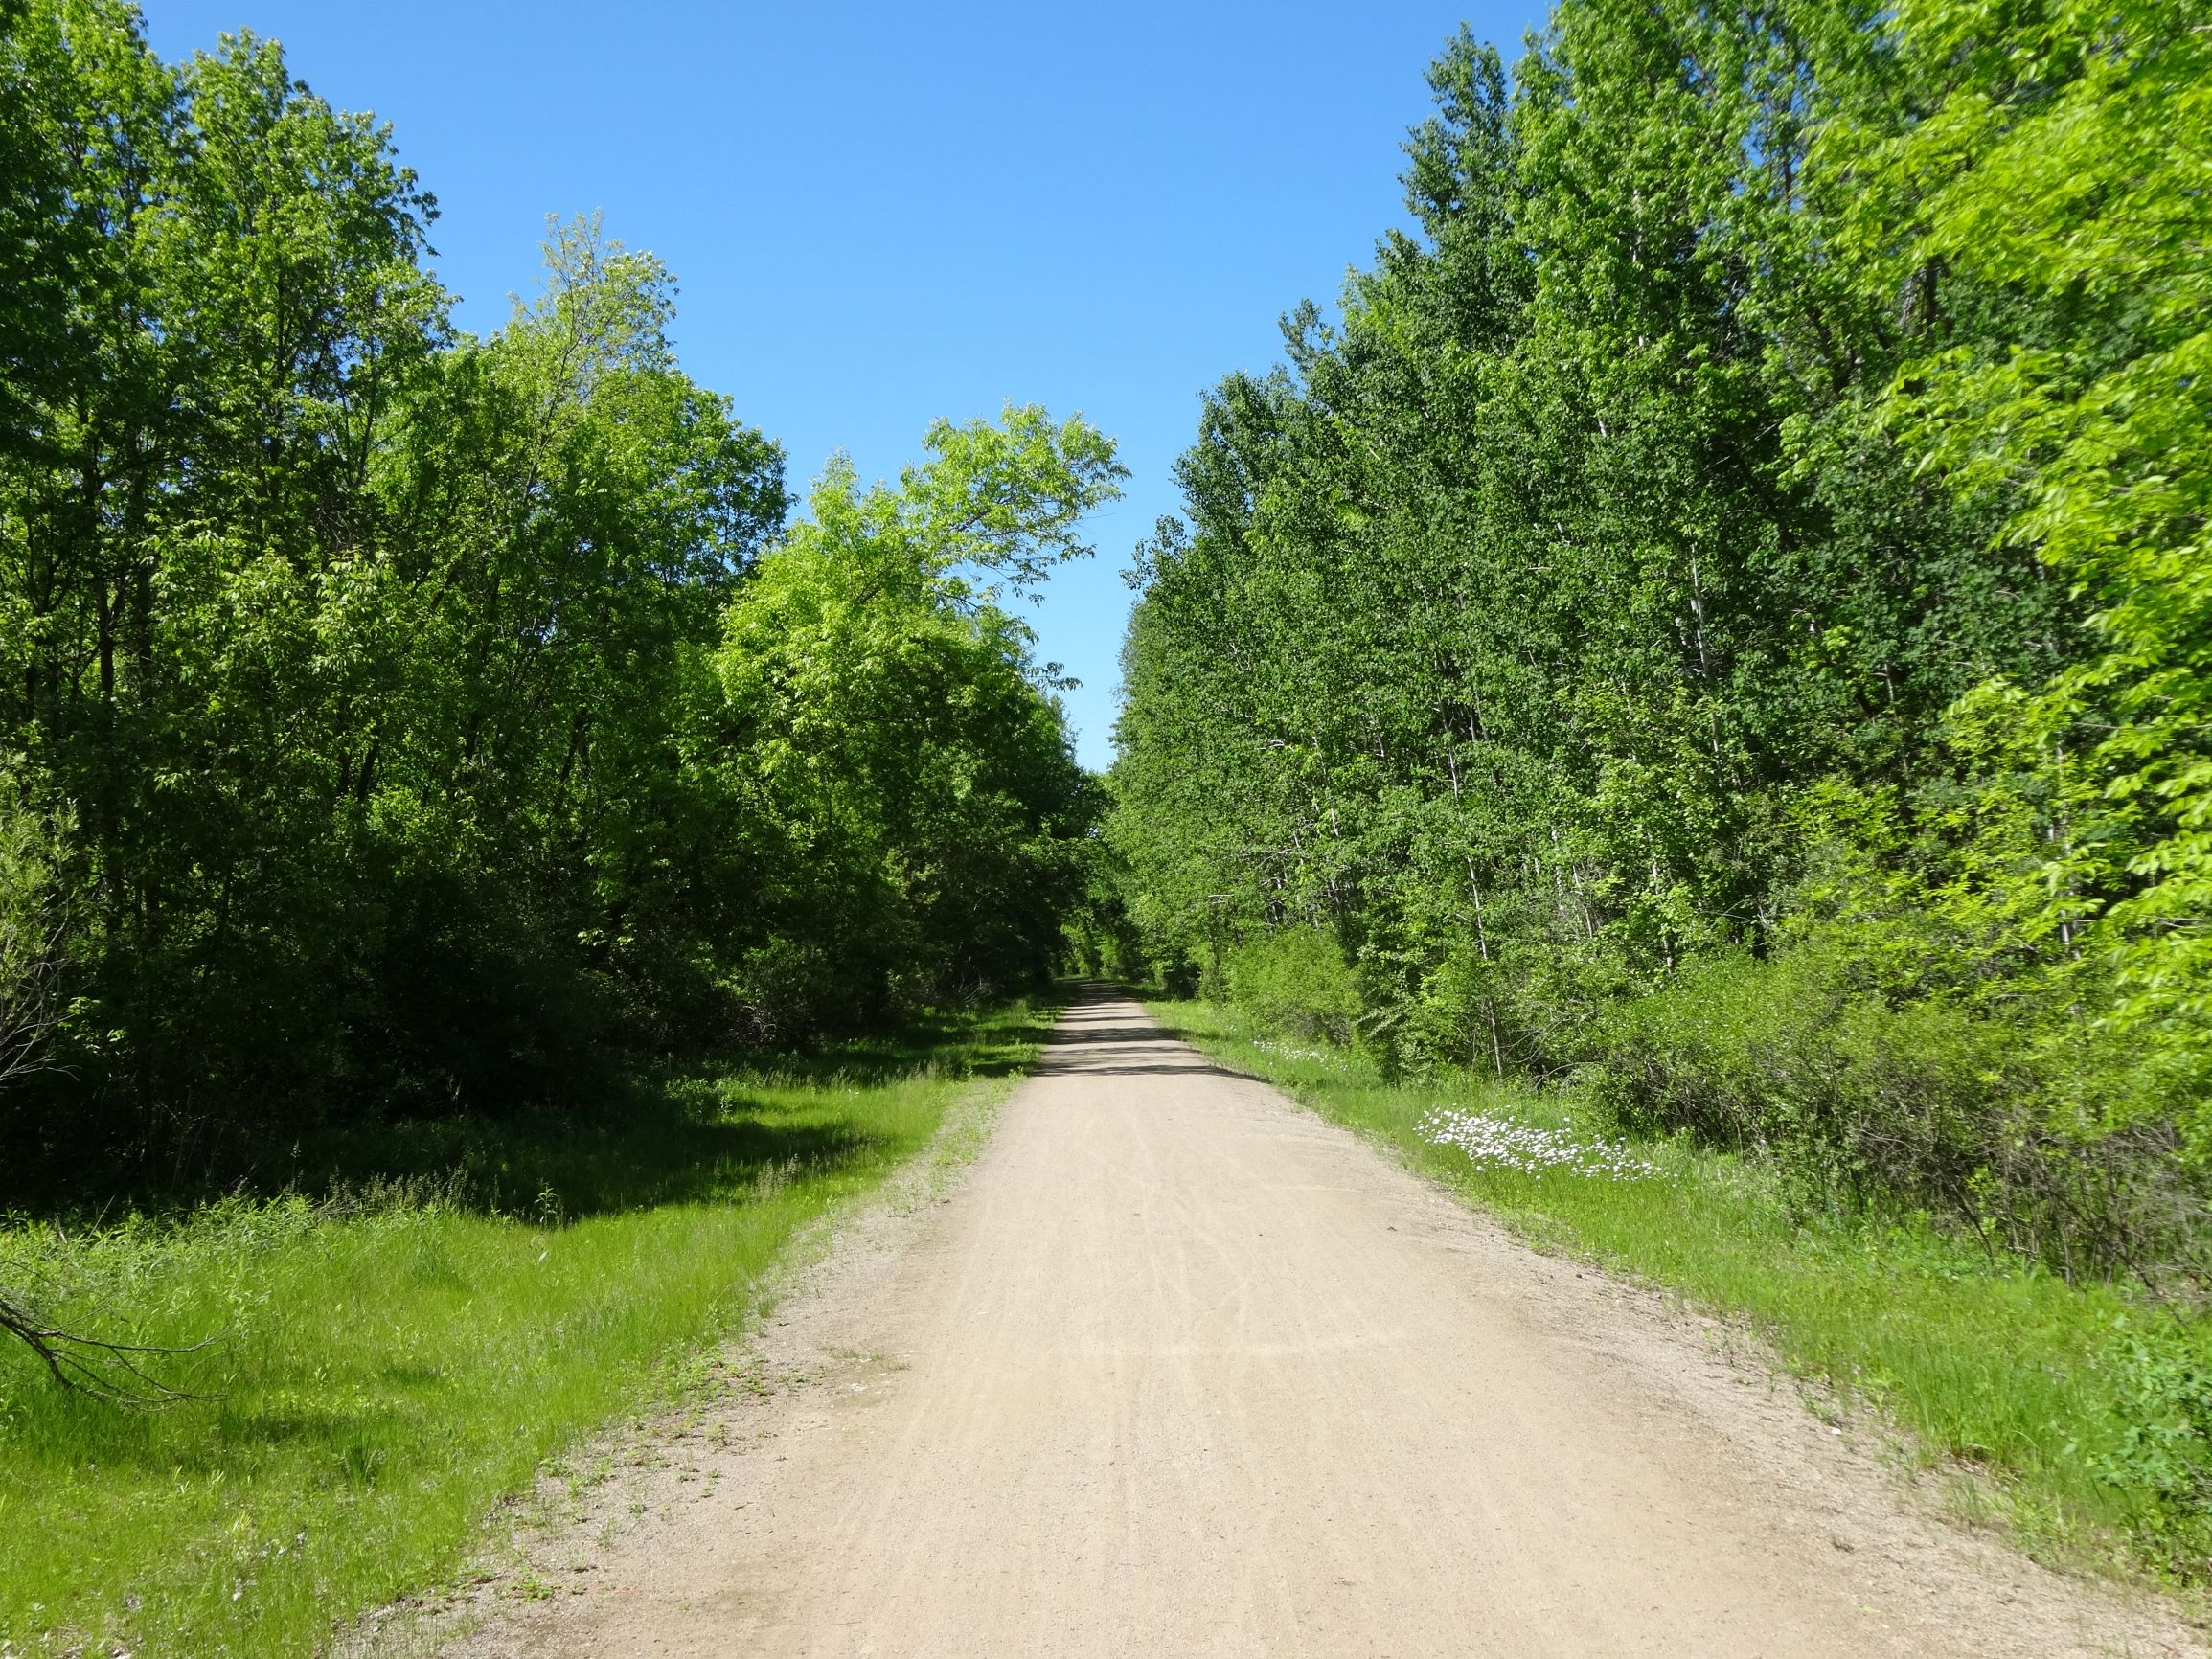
<point x="2074" y="1414"/>
<point x="392" y="1363"/>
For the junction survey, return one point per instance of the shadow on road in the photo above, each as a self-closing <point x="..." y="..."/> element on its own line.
<point x="1095" y="1039"/>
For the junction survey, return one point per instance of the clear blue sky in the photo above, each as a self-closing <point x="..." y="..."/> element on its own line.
<point x="881" y="214"/>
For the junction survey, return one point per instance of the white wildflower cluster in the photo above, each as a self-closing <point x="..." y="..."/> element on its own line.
<point x="1500" y="1143"/>
<point x="1268" y="1046"/>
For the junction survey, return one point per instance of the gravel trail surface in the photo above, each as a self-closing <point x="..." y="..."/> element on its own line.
<point x="1179" y="1369"/>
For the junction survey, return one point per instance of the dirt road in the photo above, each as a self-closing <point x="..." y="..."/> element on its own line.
<point x="1181" y="1370"/>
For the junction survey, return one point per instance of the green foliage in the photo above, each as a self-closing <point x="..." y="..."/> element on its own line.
<point x="1740" y="553"/>
<point x="2067" y="165"/>
<point x="418" y="718"/>
<point x="1515" y="614"/>
<point x="1102" y="939"/>
<point x="1976" y="1117"/>
<point x="32" y="925"/>
<point x="2164" y="1456"/>
<point x="883" y="719"/>
<point x="1296" y="982"/>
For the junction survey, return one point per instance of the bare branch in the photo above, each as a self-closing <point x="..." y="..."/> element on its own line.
<point x="90" y="1365"/>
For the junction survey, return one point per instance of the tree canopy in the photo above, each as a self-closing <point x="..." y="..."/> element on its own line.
<point x="397" y="720"/>
<point x="1756" y="514"/>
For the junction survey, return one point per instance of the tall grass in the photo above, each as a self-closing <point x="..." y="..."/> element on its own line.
<point x="1996" y="1368"/>
<point x="392" y="1359"/>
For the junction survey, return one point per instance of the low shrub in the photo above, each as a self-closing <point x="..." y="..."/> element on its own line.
<point x="2032" y="1133"/>
<point x="1297" y="983"/>
<point x="2162" y="1374"/>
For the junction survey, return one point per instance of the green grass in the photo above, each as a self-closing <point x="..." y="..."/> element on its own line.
<point x="391" y="1365"/>
<point x="1996" y="1371"/>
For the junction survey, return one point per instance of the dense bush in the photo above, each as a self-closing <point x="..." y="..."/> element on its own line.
<point x="2163" y="1372"/>
<point x="1974" y="1117"/>
<point x="1298" y="983"/>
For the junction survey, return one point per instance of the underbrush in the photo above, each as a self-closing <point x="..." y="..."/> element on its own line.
<point x="2037" y="1128"/>
<point x="392" y="1358"/>
<point x="2076" y="1412"/>
<point x="1296" y="982"/>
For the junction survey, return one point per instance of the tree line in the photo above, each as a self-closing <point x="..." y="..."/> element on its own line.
<point x="395" y="720"/>
<point x="1721" y="620"/>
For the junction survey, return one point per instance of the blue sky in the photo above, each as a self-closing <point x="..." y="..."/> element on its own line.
<point x="879" y="215"/>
